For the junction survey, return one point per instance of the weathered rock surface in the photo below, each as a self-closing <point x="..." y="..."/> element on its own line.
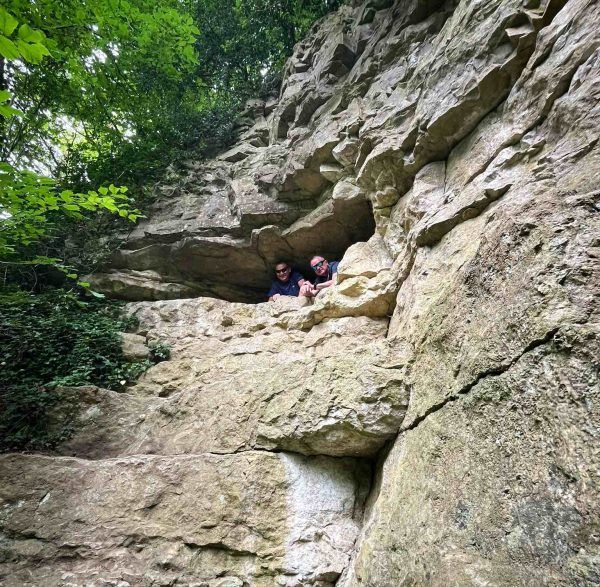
<point x="153" y="520"/>
<point x="500" y="486"/>
<point x="134" y="346"/>
<point x="447" y="152"/>
<point x="331" y="391"/>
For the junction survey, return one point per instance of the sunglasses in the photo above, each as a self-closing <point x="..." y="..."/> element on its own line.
<point x="318" y="265"/>
<point x="284" y="270"/>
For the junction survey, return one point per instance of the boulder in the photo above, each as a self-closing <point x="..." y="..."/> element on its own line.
<point x="134" y="346"/>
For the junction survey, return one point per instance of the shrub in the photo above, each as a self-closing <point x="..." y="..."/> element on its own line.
<point x="159" y="351"/>
<point x="51" y="339"/>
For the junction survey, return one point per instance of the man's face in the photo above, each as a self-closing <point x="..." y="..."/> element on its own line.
<point x="282" y="272"/>
<point x="320" y="266"/>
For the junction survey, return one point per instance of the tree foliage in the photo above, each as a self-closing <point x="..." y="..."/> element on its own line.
<point x="28" y="200"/>
<point x="133" y="85"/>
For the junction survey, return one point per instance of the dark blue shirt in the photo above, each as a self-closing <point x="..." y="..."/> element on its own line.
<point x="331" y="271"/>
<point x="288" y="288"/>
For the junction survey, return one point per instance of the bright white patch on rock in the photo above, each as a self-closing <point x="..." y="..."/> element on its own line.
<point x="322" y="529"/>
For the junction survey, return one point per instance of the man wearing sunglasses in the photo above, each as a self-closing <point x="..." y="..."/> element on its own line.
<point x="325" y="271"/>
<point x="288" y="283"/>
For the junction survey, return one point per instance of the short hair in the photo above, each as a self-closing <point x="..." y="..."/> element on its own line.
<point x="315" y="256"/>
<point x="282" y="261"/>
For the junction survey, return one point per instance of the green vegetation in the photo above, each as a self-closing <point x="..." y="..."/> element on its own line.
<point x="97" y="99"/>
<point x="119" y="89"/>
<point x="51" y="339"/>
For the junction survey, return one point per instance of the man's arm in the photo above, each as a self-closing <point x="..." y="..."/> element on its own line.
<point x="325" y="284"/>
<point x="272" y="294"/>
<point x="329" y="282"/>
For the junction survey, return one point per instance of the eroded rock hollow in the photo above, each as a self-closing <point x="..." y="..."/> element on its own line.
<point x="430" y="420"/>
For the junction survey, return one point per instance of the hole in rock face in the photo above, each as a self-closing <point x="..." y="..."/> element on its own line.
<point x="330" y="238"/>
<point x="237" y="265"/>
<point x="243" y="271"/>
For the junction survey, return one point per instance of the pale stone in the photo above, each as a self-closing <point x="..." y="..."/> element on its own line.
<point x="178" y="519"/>
<point x="345" y="190"/>
<point x="365" y="259"/>
<point x="494" y="480"/>
<point x="237" y="153"/>
<point x="134" y="346"/>
<point x="216" y="380"/>
<point x="331" y="172"/>
<point x="346" y="151"/>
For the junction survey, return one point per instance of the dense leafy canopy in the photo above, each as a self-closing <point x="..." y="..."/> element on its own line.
<point x="132" y="85"/>
<point x="28" y="200"/>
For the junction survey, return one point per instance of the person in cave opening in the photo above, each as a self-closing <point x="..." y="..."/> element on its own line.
<point x="326" y="273"/>
<point x="288" y="282"/>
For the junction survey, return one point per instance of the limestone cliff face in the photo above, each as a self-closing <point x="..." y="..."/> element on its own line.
<point x="432" y="419"/>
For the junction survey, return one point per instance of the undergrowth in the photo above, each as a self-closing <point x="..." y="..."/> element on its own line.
<point x="56" y="339"/>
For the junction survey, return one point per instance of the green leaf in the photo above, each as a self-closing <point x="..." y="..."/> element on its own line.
<point x="103" y="190"/>
<point x="8" y="23"/>
<point x="8" y="49"/>
<point x="4" y="95"/>
<point x="96" y="294"/>
<point x="109" y="204"/>
<point x="30" y="35"/>
<point x="32" y="52"/>
<point x="9" y="112"/>
<point x="72" y="275"/>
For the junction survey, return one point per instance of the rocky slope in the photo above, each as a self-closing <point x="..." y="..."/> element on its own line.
<point x="431" y="420"/>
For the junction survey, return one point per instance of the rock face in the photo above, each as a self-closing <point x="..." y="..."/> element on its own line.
<point x="430" y="420"/>
<point x="331" y="391"/>
<point x="190" y="519"/>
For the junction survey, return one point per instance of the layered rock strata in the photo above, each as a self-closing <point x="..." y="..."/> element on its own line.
<point x="242" y="460"/>
<point x="430" y="420"/>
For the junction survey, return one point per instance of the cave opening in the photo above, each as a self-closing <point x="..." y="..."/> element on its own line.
<point x="328" y="234"/>
<point x="242" y="269"/>
<point x="237" y="265"/>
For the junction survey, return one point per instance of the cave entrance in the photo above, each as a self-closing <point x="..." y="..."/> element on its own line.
<point x="234" y="266"/>
<point x="242" y="271"/>
<point x="327" y="231"/>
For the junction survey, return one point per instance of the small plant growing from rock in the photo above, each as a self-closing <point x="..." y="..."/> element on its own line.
<point x="159" y="351"/>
